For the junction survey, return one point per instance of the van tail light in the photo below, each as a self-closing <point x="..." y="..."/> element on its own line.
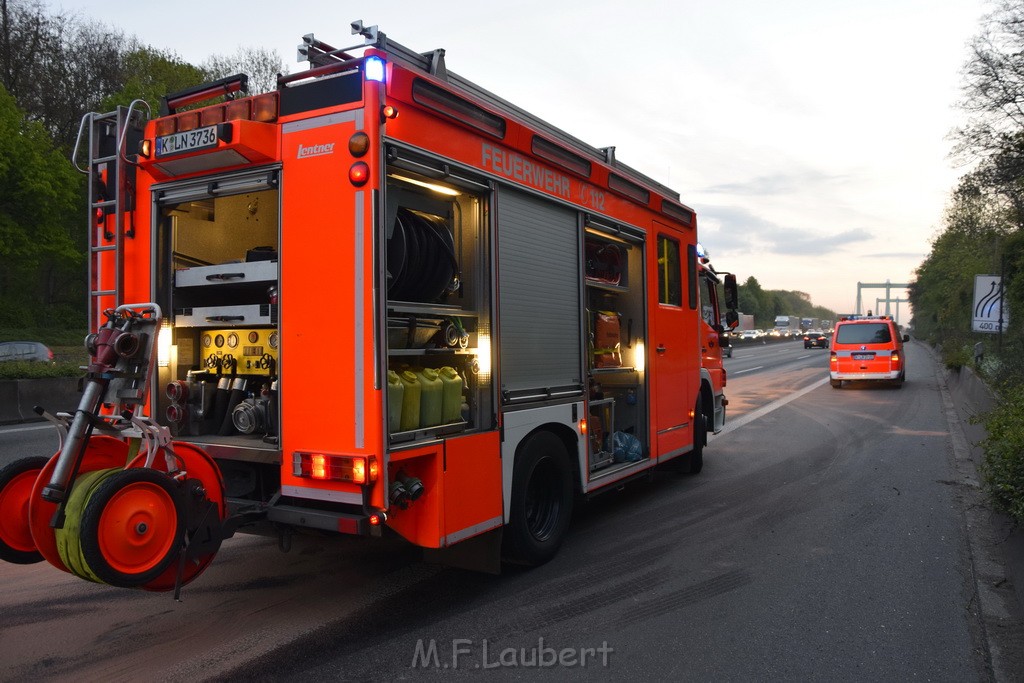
<point x="833" y="358"/>
<point x="354" y="469"/>
<point x="895" y="359"/>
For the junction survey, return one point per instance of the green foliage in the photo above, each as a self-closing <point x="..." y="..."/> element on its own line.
<point x="1003" y="466"/>
<point x="982" y="234"/>
<point x="25" y="370"/>
<point x="150" y="74"/>
<point x="764" y="304"/>
<point x="956" y="356"/>
<point x="39" y="219"/>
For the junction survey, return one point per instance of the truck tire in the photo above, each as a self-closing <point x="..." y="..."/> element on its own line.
<point x="542" y="501"/>
<point x="836" y="383"/>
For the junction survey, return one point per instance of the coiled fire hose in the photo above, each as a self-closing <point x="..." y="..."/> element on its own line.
<point x="68" y="538"/>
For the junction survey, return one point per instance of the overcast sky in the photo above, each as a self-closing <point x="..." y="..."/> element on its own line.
<point x="811" y="136"/>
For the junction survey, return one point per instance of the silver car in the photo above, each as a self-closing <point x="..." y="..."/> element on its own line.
<point x="25" y="351"/>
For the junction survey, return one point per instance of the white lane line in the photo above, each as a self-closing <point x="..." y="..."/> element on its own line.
<point x="740" y="372"/>
<point x="12" y="430"/>
<point x="774" y="405"/>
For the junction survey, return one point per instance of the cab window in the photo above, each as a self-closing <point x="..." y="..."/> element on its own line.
<point x="708" y="297"/>
<point x="670" y="289"/>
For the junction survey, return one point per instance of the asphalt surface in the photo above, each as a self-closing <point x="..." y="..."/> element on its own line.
<point x="829" y="537"/>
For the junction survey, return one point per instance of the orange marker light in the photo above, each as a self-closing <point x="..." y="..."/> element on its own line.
<point x="318" y="468"/>
<point x="358" y="471"/>
<point x="389" y="111"/>
<point x="359" y="144"/>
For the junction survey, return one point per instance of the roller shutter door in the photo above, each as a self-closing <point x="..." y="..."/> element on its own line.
<point x="538" y="294"/>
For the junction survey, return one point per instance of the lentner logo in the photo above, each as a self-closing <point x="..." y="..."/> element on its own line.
<point x="314" y="150"/>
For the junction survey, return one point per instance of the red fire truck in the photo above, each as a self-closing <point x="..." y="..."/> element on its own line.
<point x="376" y="297"/>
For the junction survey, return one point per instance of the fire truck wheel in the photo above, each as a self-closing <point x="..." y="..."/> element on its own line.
<point x="16" y="482"/>
<point x="542" y="500"/>
<point x="700" y="437"/>
<point x="132" y="527"/>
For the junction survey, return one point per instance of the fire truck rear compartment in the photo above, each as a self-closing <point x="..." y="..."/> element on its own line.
<point x="220" y="278"/>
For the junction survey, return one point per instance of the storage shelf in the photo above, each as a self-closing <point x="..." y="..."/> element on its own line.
<point x="608" y="371"/>
<point x="431" y="352"/>
<point x="606" y="286"/>
<point x="428" y="310"/>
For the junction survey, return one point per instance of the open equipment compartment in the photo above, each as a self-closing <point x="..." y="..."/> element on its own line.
<point x="613" y="282"/>
<point x="437" y="307"/>
<point x="217" y="243"/>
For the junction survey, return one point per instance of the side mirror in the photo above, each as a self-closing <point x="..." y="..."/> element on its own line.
<point x="732" y="319"/>
<point x="731" y="293"/>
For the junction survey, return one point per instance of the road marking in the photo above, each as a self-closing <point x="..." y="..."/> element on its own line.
<point x="764" y="410"/>
<point x="12" y="430"/>
<point x="740" y="372"/>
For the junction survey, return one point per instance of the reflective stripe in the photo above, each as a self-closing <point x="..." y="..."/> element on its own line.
<point x="471" y="531"/>
<point x="882" y="353"/>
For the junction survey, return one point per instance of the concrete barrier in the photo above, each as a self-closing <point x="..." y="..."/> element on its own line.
<point x="10" y="409"/>
<point x="18" y="397"/>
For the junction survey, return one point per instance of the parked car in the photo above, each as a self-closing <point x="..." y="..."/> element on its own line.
<point x="25" y="351"/>
<point x="815" y="339"/>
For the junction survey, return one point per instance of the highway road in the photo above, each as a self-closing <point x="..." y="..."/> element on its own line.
<point x="824" y="540"/>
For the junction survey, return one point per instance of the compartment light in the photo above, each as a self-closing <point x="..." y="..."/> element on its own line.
<point x="441" y="189"/>
<point x="483" y="353"/>
<point x="163" y="345"/>
<point x="373" y="67"/>
<point x="639" y="355"/>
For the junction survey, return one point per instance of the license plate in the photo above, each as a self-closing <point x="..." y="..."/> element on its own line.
<point x="863" y="356"/>
<point x="187" y="141"/>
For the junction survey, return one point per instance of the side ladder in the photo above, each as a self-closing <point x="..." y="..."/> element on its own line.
<point x="111" y="204"/>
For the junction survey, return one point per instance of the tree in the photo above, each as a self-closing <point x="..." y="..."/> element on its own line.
<point x="261" y="65"/>
<point x="38" y="209"/>
<point x="994" y="85"/>
<point x="151" y="74"/>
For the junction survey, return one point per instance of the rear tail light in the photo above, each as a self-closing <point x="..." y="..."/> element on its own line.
<point x="895" y="359"/>
<point x="354" y="469"/>
<point x="833" y="359"/>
